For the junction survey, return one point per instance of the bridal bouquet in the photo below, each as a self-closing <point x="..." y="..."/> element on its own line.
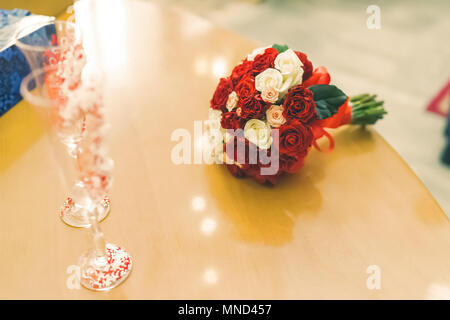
<point x="265" y="117"/>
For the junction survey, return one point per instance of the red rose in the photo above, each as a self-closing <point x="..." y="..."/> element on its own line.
<point x="235" y="170"/>
<point x="247" y="159"/>
<point x="295" y="139"/>
<point x="230" y="120"/>
<point x="291" y="164"/>
<point x="220" y="97"/>
<point x="242" y="151"/>
<point x="264" y="61"/>
<point x="241" y="70"/>
<point x="246" y="87"/>
<point x="254" y="171"/>
<point x="237" y="149"/>
<point x="299" y="104"/>
<point x="252" y="107"/>
<point x="307" y="65"/>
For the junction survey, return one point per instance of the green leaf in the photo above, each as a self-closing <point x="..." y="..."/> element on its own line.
<point x="280" y="47"/>
<point x="328" y="99"/>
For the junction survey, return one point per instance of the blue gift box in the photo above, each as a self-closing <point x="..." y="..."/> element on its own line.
<point x="13" y="65"/>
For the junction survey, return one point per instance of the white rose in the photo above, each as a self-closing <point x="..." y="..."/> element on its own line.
<point x="290" y="67"/>
<point x="289" y="82"/>
<point x="258" y="132"/>
<point x="232" y="101"/>
<point x="269" y="78"/>
<point x="251" y="56"/>
<point x="288" y="63"/>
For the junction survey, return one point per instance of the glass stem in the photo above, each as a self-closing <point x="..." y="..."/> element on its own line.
<point x="97" y="237"/>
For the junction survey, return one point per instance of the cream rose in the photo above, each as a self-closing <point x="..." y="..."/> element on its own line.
<point x="290" y="67"/>
<point x="213" y="149"/>
<point x="269" y="95"/>
<point x="213" y="137"/>
<point x="269" y="78"/>
<point x="227" y="159"/>
<point x="258" y="132"/>
<point x="214" y="143"/>
<point x="232" y="101"/>
<point x="213" y="122"/>
<point x="213" y="129"/>
<point x="251" y="56"/>
<point x="227" y="136"/>
<point x="275" y="116"/>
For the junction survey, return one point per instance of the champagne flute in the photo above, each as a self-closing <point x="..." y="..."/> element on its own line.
<point x="106" y="265"/>
<point x="56" y="58"/>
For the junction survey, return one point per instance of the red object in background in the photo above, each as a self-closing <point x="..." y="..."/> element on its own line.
<point x="440" y="104"/>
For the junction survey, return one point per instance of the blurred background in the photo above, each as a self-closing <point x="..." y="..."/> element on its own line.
<point x="405" y="61"/>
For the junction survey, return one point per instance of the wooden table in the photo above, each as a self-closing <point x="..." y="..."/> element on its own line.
<point x="194" y="231"/>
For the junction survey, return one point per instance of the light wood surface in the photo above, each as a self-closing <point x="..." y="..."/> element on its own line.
<point x="194" y="231"/>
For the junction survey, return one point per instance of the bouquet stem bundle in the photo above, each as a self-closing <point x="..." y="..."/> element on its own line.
<point x="366" y="109"/>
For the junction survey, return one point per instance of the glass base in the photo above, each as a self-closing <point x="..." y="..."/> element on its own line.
<point x="72" y="214"/>
<point x="104" y="273"/>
